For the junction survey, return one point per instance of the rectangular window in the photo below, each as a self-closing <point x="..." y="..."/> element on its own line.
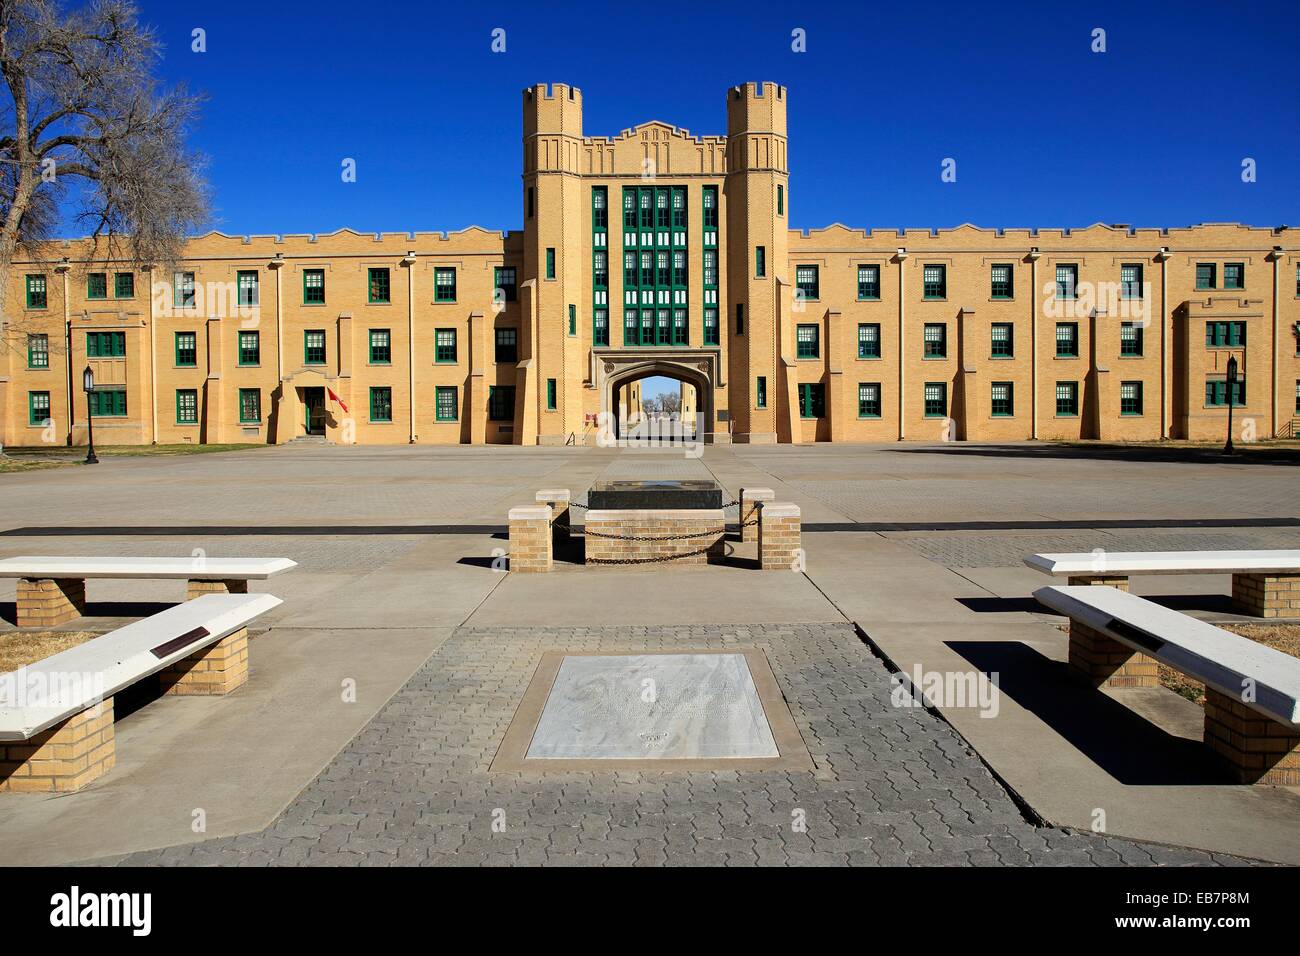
<point x="1130" y="280"/>
<point x="501" y="403"/>
<point x="1297" y="396"/>
<point x="183" y="290"/>
<point x="250" y="406"/>
<point x="807" y="341"/>
<point x="573" y="319"/>
<point x="760" y="261"/>
<point x="934" y="281"/>
<point x="108" y="403"/>
<point x="444" y="345"/>
<point x="869" y="340"/>
<point x="681" y="332"/>
<point x="247" y="283"/>
<point x="1067" y="339"/>
<point x="868" y="282"/>
<point x="550" y="263"/>
<point x="1216" y="392"/>
<point x="38" y="351"/>
<point x="532" y="202"/>
<point x="710" y="267"/>
<point x="1130" y="339"/>
<point x="936" y="399"/>
<point x="381" y="403"/>
<point x="97" y="285"/>
<point x="1000" y="281"/>
<point x="381" y="347"/>
<point x="600" y="327"/>
<point x="504" y="280"/>
<point x="124" y="285"/>
<point x="378" y="290"/>
<point x="710" y="326"/>
<point x="507" y="349"/>
<point x="1205" y="275"/>
<point x="780" y="200"/>
<point x="38" y="408"/>
<point x="445" y="403"/>
<point x="936" y="340"/>
<point x="313" y="347"/>
<point x="36" y="292"/>
<point x="187" y="406"/>
<point x="740" y="318"/>
<point x="1234" y="275"/>
<point x="599" y="207"/>
<point x="807" y="284"/>
<point x="711" y="207"/>
<point x="760" y="392"/>
<point x="1067" y="399"/>
<point x="313" y="286"/>
<point x="868" y="400"/>
<point x="187" y="351"/>
<point x="1225" y="334"/>
<point x="550" y="394"/>
<point x="250" y="348"/>
<point x="1002" y="343"/>
<point x="812" y="400"/>
<point x="1003" y="400"/>
<point x="444" y="285"/>
<point x="600" y="269"/>
<point x="106" y="344"/>
<point x="1130" y="398"/>
<point x="1067" y="281"/>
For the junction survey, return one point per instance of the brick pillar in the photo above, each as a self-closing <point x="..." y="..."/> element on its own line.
<point x="45" y="602"/>
<point x="66" y="757"/>
<point x="779" y="542"/>
<point x="1097" y="659"/>
<point x="558" y="500"/>
<point x="1256" y="748"/>
<point x="212" y="671"/>
<point x="1117" y="581"/>
<point x="198" y="588"/>
<point x="749" y="510"/>
<point x="530" y="538"/>
<point x="1267" y="595"/>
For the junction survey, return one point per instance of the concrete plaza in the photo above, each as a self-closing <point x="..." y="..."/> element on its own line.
<point x="383" y="685"/>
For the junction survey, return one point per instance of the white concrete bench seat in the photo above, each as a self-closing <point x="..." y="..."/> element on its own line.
<point x="52" y="590"/>
<point x="56" y="716"/>
<point x="1252" y="709"/>
<point x="1264" y="583"/>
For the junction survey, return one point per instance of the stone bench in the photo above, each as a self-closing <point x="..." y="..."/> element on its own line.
<point x="56" y="716"/>
<point x="1264" y="583"/>
<point x="52" y="591"/>
<point x="1252" y="692"/>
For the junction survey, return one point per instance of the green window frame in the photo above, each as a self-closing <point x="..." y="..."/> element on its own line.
<point x="1001" y="281"/>
<point x="501" y="403"/>
<point x="812" y="400"/>
<point x="868" y="400"/>
<point x="711" y="336"/>
<point x="600" y="327"/>
<point x="681" y="328"/>
<point x="38" y="350"/>
<point x="379" y="289"/>
<point x="507" y="346"/>
<point x="1225" y="334"/>
<point x="935" y="340"/>
<point x="444" y="284"/>
<point x="313" y="347"/>
<point x="760" y="392"/>
<point x="381" y="347"/>
<point x="183" y="295"/>
<point x="381" y="403"/>
<point x="550" y="262"/>
<point x="868" y="283"/>
<point x="1234" y="275"/>
<point x="444" y="346"/>
<point x="1002" y="399"/>
<point x="1130" y="340"/>
<point x="1002" y="343"/>
<point x="250" y="406"/>
<point x="807" y="341"/>
<point x="446" y="404"/>
<point x="97" y="285"/>
<point x="37" y="292"/>
<point x="38" y="408"/>
<point x="573" y="319"/>
<point x="1206" y="273"/>
<point x="550" y="395"/>
<point x="780" y="199"/>
<point x="1130" y="280"/>
<point x="124" y="285"/>
<point x="108" y="403"/>
<point x="1216" y="393"/>
<point x="506" y="279"/>
<point x="1067" y="399"/>
<point x="250" y="348"/>
<point x="1067" y="280"/>
<point x="186" y="351"/>
<point x="807" y="282"/>
<point x="313" y="286"/>
<point x="936" y="399"/>
<point x="760" y="262"/>
<point x="105" y="344"/>
<point x="868" y="340"/>
<point x="1067" y="339"/>
<point x="187" y="406"/>
<point x="934" y="281"/>
<point x="1130" y="398"/>
<point x="246" y="281"/>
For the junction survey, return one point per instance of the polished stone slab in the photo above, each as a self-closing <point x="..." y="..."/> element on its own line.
<point x="653" y="707"/>
<point x="621" y="495"/>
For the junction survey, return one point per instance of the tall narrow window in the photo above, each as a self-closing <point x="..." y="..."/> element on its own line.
<point x="187" y="406"/>
<point x="807" y="341"/>
<point x="1130" y="398"/>
<point x="381" y="403"/>
<point x="38" y="408"/>
<point x="934" y="281"/>
<point x="760" y="261"/>
<point x="247" y="283"/>
<point x="868" y="282"/>
<point x="550" y="263"/>
<point x="550" y="394"/>
<point x="1067" y="339"/>
<point x="869" y="340"/>
<point x="250" y="406"/>
<point x="1000" y="281"/>
<point x="807" y="283"/>
<point x="445" y="403"/>
<point x="812" y="400"/>
<point x="780" y="200"/>
<point x="97" y="285"/>
<point x="600" y="327"/>
<point x="1130" y="339"/>
<point x="504" y="281"/>
<point x="1234" y="275"/>
<point x="501" y="403"/>
<point x="1067" y="281"/>
<point x="935" y="338"/>
<point x="183" y="290"/>
<point x="36" y="293"/>
<point x="313" y="347"/>
<point x="1003" y="404"/>
<point x="444" y="345"/>
<point x="187" y="352"/>
<point x="381" y="347"/>
<point x="1130" y="280"/>
<point x="936" y="399"/>
<point x="710" y="326"/>
<point x="444" y="284"/>
<point x="740" y="318"/>
<point x="868" y="400"/>
<point x="573" y="319"/>
<point x="38" y="350"/>
<point x="1067" y="399"/>
<point x="1001" y="343"/>
<point x="250" y="348"/>
<point x="1205" y="275"/>
<point x="379" y="291"/>
<point x="124" y="285"/>
<point x="507" y="346"/>
<point x="760" y="392"/>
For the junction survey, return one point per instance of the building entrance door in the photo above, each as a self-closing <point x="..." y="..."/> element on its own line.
<point x="313" y="402"/>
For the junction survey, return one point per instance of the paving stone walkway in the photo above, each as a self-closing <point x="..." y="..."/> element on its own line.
<point x="893" y="785"/>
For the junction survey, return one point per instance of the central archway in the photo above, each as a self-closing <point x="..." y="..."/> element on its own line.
<point x="698" y="371"/>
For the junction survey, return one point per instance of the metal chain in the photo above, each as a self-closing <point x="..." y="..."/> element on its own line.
<point x="586" y="507"/>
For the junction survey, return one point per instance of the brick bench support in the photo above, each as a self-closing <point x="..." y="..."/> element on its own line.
<point x="668" y="536"/>
<point x="215" y="671"/>
<point x="197" y="588"/>
<point x="1118" y="581"/>
<point x="1255" y="748"/>
<point x="749" y="498"/>
<point x="1267" y="595"/>
<point x="558" y="499"/>
<point x="780" y="543"/>
<point x="531" y="547"/>
<point x="1097" y="660"/>
<point x="66" y="757"/>
<point x="47" y="602"/>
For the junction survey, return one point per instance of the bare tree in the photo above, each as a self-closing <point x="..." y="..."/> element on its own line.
<point x="670" y="403"/>
<point x="84" y="110"/>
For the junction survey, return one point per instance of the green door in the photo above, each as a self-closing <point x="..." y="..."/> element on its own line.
<point x="314" y="404"/>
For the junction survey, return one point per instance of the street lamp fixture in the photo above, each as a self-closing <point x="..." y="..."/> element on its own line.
<point x="88" y="383"/>
<point x="1232" y="395"/>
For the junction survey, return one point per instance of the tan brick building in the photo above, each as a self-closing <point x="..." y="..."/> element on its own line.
<point x="656" y="252"/>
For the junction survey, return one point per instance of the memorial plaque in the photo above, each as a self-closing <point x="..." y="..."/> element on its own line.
<point x="654" y="495"/>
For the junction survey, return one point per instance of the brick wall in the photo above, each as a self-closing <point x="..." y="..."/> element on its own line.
<point x="704" y="531"/>
<point x="66" y="757"/>
<point x="1267" y="595"/>
<point x="1097" y="659"/>
<point x="1256" y="748"/>
<point x="47" y="602"/>
<point x="779" y="540"/>
<point x="530" y="539"/>
<point x="212" y="671"/>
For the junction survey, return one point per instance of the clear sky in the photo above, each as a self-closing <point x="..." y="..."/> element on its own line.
<point x="1044" y="131"/>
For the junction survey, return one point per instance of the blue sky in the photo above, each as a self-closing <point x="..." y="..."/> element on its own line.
<point x="1044" y="132"/>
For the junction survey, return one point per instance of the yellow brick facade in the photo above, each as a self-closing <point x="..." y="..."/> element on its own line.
<point x="354" y="331"/>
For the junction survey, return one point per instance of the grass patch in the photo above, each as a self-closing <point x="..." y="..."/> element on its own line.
<point x="18" y="649"/>
<point x="54" y="456"/>
<point x="10" y="465"/>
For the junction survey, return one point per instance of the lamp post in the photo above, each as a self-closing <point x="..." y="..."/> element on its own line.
<point x="88" y="383"/>
<point x="1232" y="394"/>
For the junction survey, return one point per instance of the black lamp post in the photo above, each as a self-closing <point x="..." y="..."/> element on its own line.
<point x="88" y="383"/>
<point x="1232" y="395"/>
